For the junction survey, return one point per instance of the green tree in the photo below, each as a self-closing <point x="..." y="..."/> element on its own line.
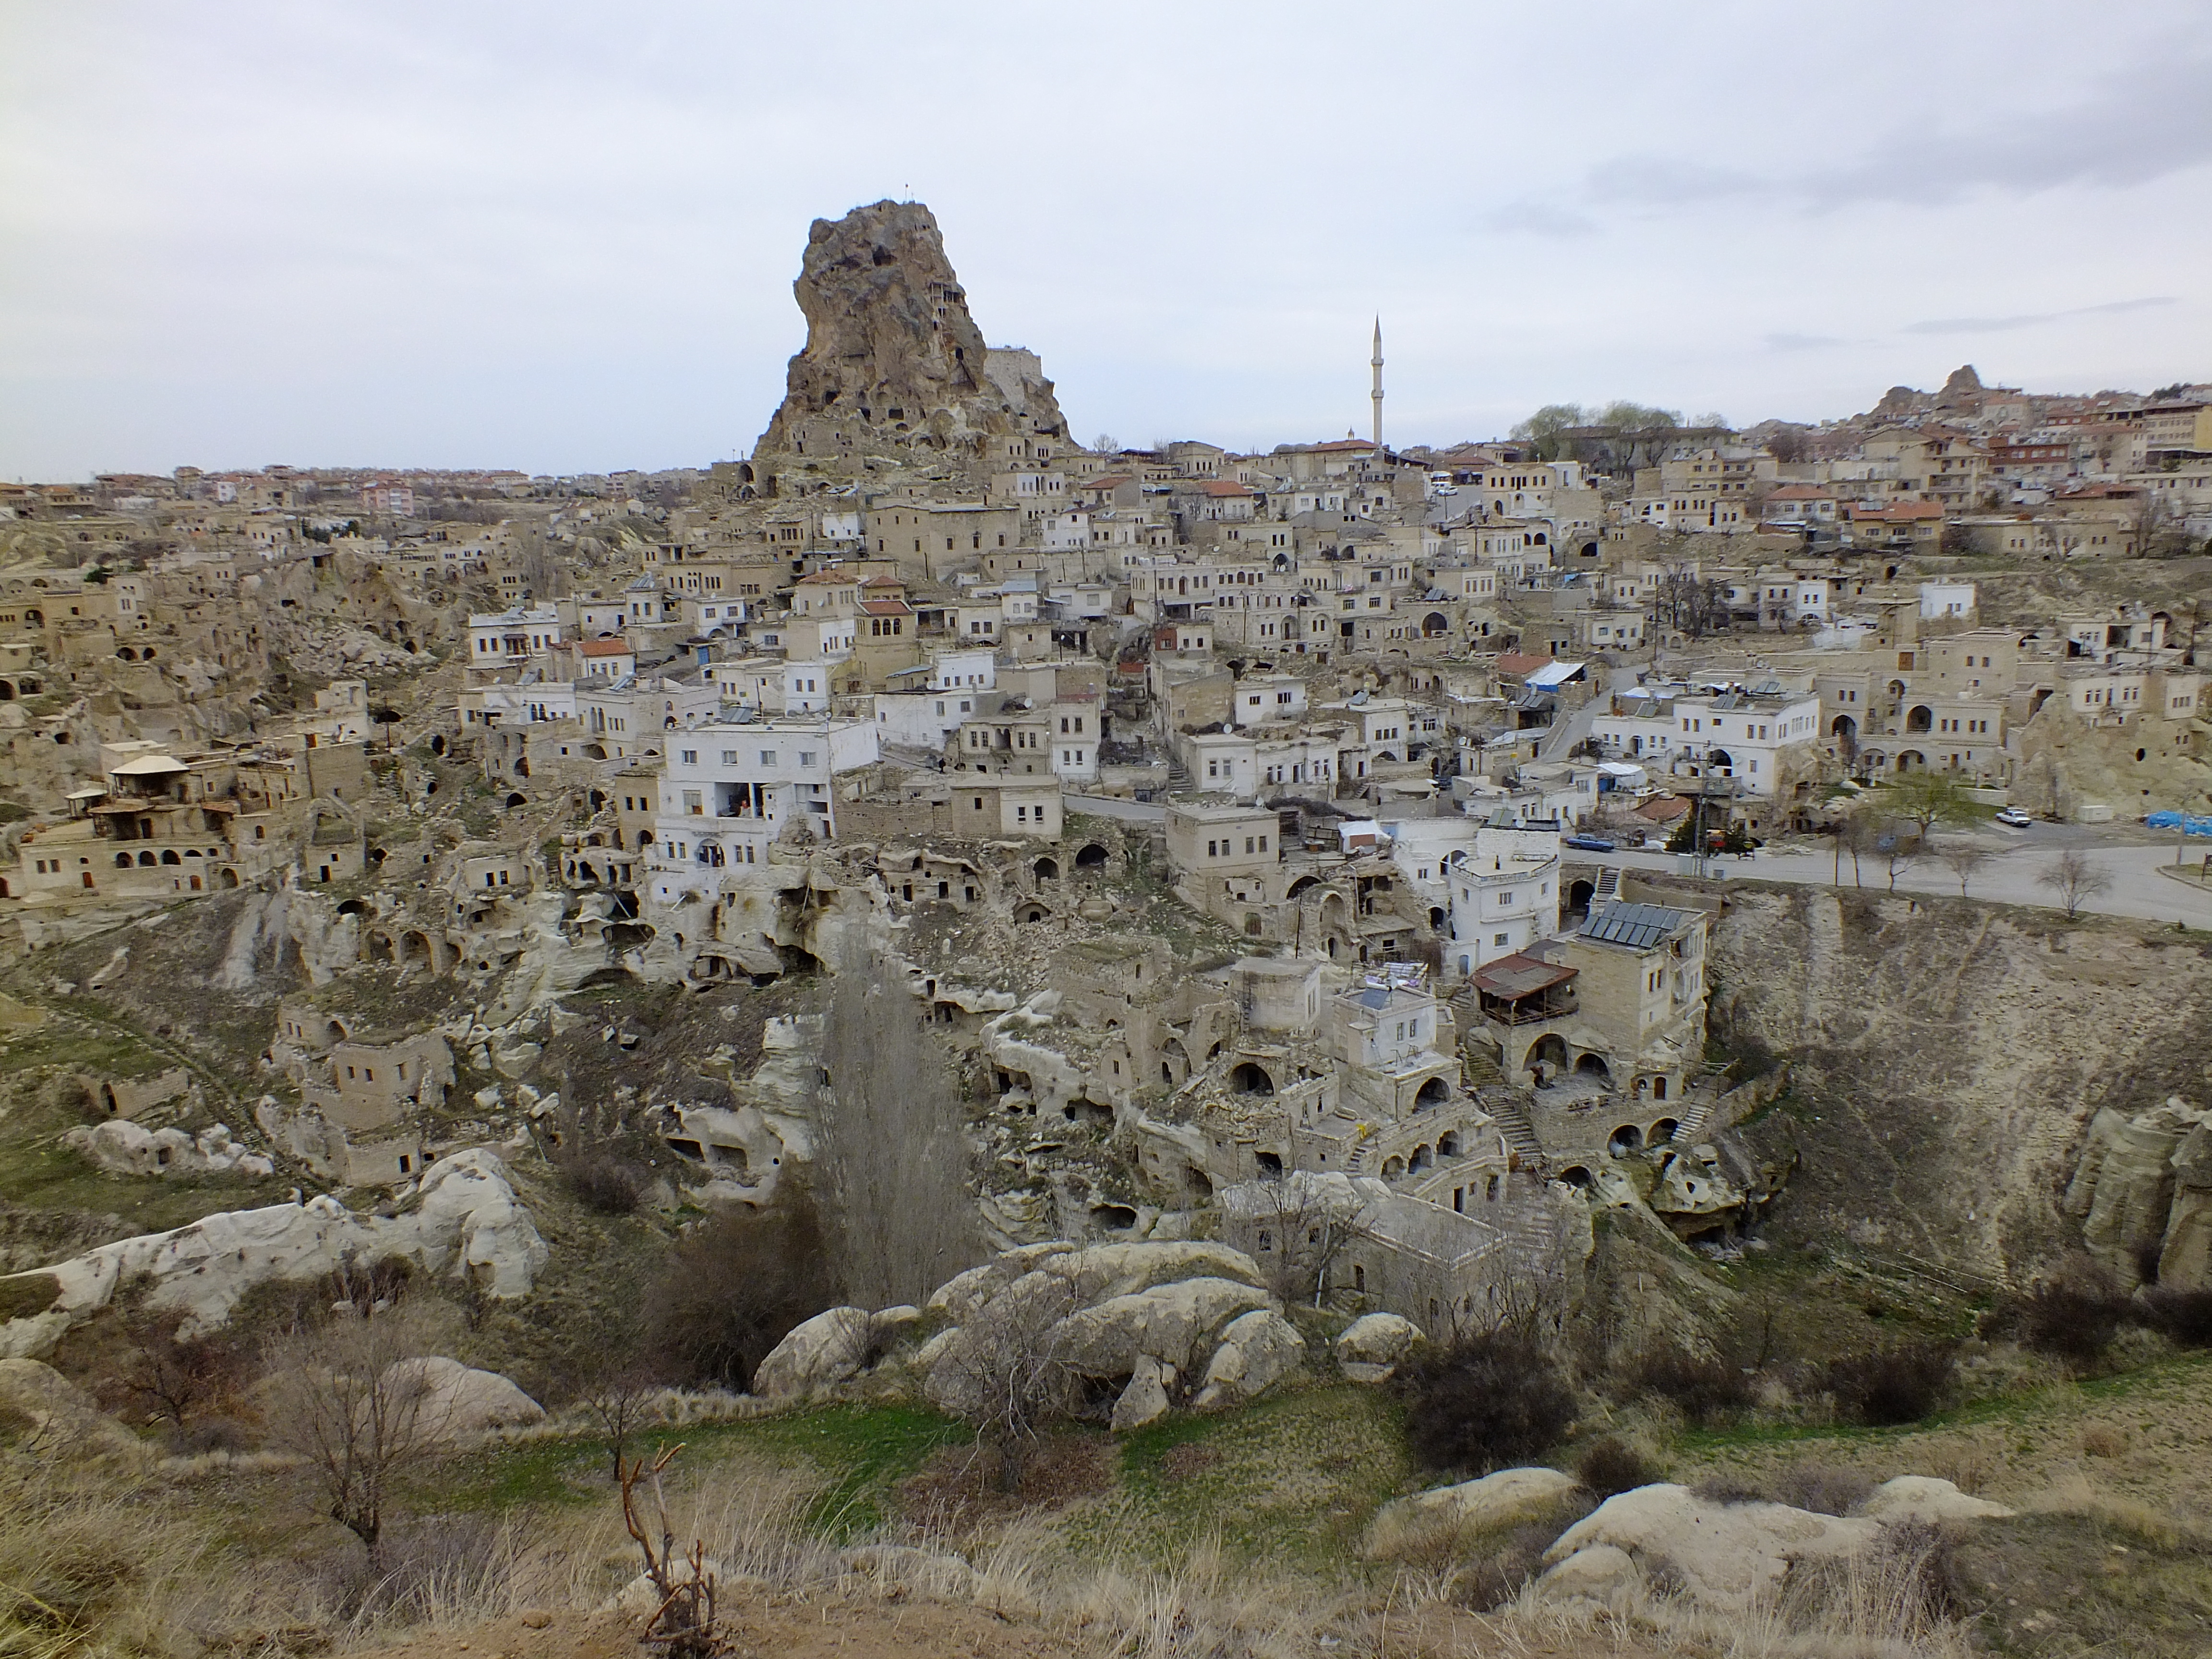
<point x="1544" y="429"/>
<point x="1924" y="799"/>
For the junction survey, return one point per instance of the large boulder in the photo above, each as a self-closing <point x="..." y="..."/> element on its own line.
<point x="1370" y="1347"/>
<point x="466" y="1223"/>
<point x="122" y="1147"/>
<point x="1145" y="1401"/>
<point x="1495" y="1500"/>
<point x="456" y="1402"/>
<point x="1722" y="1555"/>
<point x="1174" y="1323"/>
<point x="1106" y="1271"/>
<point x="1258" y="1350"/>
<point x="1925" y="1498"/>
<point x="830" y="1348"/>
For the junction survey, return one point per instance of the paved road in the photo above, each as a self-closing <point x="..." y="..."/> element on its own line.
<point x="2011" y="878"/>
<point x="1562" y="735"/>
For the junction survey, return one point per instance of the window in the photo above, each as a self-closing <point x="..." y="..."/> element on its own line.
<point x="806" y="757"/>
<point x="729" y="757"/>
<point x="767" y="757"/>
<point x="1500" y="938"/>
<point x="688" y="757"/>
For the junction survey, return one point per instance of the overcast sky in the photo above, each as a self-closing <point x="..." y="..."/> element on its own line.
<point x="562" y="237"/>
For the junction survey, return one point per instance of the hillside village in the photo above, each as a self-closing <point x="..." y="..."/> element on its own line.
<point x="1246" y="829"/>
<point x="926" y="672"/>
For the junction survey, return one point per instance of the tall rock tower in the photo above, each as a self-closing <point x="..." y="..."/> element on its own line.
<point x="1376" y="396"/>
<point x="895" y="372"/>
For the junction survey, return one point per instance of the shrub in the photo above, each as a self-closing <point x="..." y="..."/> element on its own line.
<point x="2182" y="1316"/>
<point x="1889" y="1386"/>
<point x="1611" y="1466"/>
<point x="732" y="1289"/>
<point x="2075" y="1315"/>
<point x="1822" y="1488"/>
<point x="604" y="1182"/>
<point x="1483" y="1402"/>
<point x="1703" y="1389"/>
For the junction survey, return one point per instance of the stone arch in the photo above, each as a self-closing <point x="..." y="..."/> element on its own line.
<point x="1394" y="1168"/>
<point x="1175" y="1063"/>
<point x="1092" y="856"/>
<point x="146" y="860"/>
<point x="230" y="877"/>
<point x="518" y="799"/>
<point x="1720" y="757"/>
<point x="1549" y="1049"/>
<point x="1424" y="1158"/>
<point x="1593" y="1066"/>
<point x="126" y="653"/>
<point x="1920" y="718"/>
<point x="1250" y="1077"/>
<point x="414" y="946"/>
<point x="7" y="692"/>
<point x="1033" y="912"/>
<point x="1625" y="1139"/>
<point x="1436" y="915"/>
<point x="1435" y="625"/>
<point x="333" y="1031"/>
<point x="1580" y="893"/>
<point x="1843" y="727"/>
<point x="1575" y="1175"/>
<point x="377" y="947"/>
<point x="1662" y="1132"/>
<point x="1304" y="884"/>
<point x="1910" y="758"/>
<point x="1434" y="1092"/>
<point x="169" y="856"/>
<point x="1449" y="1143"/>
<point x="1045" y="870"/>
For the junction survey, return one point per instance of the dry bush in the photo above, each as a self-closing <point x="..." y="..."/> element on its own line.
<point x="2184" y="1317"/>
<point x="1483" y="1402"/>
<point x="1886" y="1387"/>
<point x="1902" y="1591"/>
<point x="1610" y="1466"/>
<point x="735" y="1286"/>
<point x="603" y="1183"/>
<point x="1704" y="1390"/>
<point x="1822" y="1488"/>
<point x="84" y="1570"/>
<point x="2074" y="1313"/>
<point x="2103" y="1440"/>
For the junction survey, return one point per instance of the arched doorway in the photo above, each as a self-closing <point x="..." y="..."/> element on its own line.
<point x="1625" y="1140"/>
<point x="1579" y="895"/>
<point x="1920" y="718"/>
<point x="1434" y="1092"/>
<point x="1091" y="857"/>
<point x="1548" y="1055"/>
<point x="1045" y="870"/>
<point x="1663" y="1131"/>
<point x="1249" y="1078"/>
<point x="1843" y="727"/>
<point x="1593" y="1066"/>
<point x="1910" y="759"/>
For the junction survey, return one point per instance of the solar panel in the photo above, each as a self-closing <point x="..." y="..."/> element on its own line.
<point x="1639" y="926"/>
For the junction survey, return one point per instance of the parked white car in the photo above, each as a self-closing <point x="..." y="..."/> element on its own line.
<point x="2014" y="817"/>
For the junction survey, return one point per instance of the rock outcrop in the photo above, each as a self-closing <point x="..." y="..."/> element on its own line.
<point x="830" y="1348"/>
<point x="1510" y="1494"/>
<point x="894" y="367"/>
<point x="466" y="1223"/>
<point x="456" y="1403"/>
<point x="1369" y="1349"/>
<point x="2128" y="1190"/>
<point x="122" y="1147"/>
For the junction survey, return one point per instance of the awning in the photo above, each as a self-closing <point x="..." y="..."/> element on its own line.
<point x="1554" y="674"/>
<point x="1520" y="976"/>
<point x="151" y="766"/>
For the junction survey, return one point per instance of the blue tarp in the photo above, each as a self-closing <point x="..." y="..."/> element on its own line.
<point x="2187" y="825"/>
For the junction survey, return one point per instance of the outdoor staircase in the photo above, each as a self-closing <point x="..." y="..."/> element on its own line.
<point x="1478" y="1071"/>
<point x="1519" y="1135"/>
<point x="1608" y="887"/>
<point x="1687" y="1131"/>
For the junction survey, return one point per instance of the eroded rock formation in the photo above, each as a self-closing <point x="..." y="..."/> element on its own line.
<point x="894" y="366"/>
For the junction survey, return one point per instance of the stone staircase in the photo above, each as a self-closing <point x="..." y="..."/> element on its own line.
<point x="1608" y="887"/>
<point x="1519" y="1135"/>
<point x="1687" y="1131"/>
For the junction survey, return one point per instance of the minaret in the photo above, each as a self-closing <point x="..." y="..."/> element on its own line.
<point x="1376" y="395"/>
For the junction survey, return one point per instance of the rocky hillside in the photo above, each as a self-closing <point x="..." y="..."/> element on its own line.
<point x="1948" y="1058"/>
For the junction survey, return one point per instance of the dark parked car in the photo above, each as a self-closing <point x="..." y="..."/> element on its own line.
<point x="1587" y="843"/>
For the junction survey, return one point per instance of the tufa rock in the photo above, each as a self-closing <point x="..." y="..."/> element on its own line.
<point x="1507" y="1495"/>
<point x="830" y="1348"/>
<point x="1724" y="1555"/>
<point x="1257" y="1351"/>
<point x="894" y="366"/>
<point x="457" y="1403"/>
<point x="1372" y="1345"/>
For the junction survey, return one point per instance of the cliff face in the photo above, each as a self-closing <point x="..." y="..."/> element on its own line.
<point x="895" y="368"/>
<point x="1949" y="1059"/>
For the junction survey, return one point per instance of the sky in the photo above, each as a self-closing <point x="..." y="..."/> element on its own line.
<point x="562" y="237"/>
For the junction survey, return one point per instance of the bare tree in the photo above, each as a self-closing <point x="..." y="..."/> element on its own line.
<point x="616" y="1400"/>
<point x="2076" y="878"/>
<point x="1004" y="1372"/>
<point x="1295" y="1229"/>
<point x="352" y="1400"/>
<point x="1854" y="834"/>
<point x="1965" y="859"/>
<point x="1901" y="846"/>
<point x="889" y="1143"/>
<point x="683" y="1625"/>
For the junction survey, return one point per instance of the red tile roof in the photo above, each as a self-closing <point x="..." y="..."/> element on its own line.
<point x="604" y="648"/>
<point x="1515" y="662"/>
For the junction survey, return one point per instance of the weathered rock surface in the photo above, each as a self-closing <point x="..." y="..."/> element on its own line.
<point x="466" y="1223"/>
<point x="1145" y="1401"/>
<point x="122" y="1147"/>
<point x="2125" y="1187"/>
<point x="1923" y="1498"/>
<point x="1369" y="1347"/>
<point x="1507" y="1495"/>
<point x="1722" y="1554"/>
<point x="894" y="365"/>
<point x="456" y="1402"/>
<point x="1177" y="1323"/>
<point x="1258" y="1350"/>
<point x="828" y="1349"/>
